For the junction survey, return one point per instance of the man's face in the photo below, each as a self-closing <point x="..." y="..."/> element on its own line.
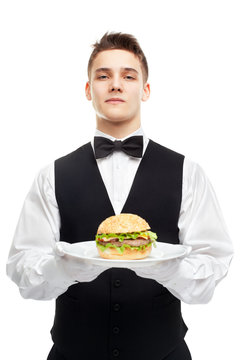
<point x="117" y="74"/>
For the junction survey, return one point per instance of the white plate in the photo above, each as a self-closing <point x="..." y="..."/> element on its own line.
<point x="87" y="251"/>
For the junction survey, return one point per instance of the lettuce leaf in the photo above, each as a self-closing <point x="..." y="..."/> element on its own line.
<point x="120" y="249"/>
<point x="133" y="235"/>
<point x="152" y="235"/>
<point x="122" y="236"/>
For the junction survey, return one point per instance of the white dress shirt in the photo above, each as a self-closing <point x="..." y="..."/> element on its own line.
<point x="40" y="270"/>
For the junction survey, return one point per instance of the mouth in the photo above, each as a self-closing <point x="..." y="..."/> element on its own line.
<point x="115" y="101"/>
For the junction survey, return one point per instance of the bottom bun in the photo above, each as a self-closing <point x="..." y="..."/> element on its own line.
<point x="128" y="254"/>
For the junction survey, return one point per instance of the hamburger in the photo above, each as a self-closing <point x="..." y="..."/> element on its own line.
<point x="124" y="236"/>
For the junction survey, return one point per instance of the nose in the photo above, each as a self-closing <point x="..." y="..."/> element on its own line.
<point x="115" y="84"/>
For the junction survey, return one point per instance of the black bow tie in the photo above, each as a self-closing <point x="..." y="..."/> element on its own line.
<point x="132" y="146"/>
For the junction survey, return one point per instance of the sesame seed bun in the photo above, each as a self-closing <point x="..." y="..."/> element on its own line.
<point x="123" y="223"/>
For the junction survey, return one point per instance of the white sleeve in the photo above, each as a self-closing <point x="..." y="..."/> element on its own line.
<point x="34" y="263"/>
<point x="193" y="278"/>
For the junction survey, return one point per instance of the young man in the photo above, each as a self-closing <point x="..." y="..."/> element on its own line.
<point x="119" y="313"/>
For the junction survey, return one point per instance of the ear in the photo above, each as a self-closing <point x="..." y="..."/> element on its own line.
<point x="88" y="91"/>
<point x="146" y="92"/>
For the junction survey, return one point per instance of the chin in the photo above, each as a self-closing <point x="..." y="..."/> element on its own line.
<point x="116" y="118"/>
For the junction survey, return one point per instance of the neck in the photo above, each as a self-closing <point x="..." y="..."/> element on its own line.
<point x="118" y="129"/>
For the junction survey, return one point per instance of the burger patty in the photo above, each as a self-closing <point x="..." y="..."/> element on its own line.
<point x="134" y="242"/>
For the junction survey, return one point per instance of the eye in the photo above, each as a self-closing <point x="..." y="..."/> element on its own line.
<point x="102" y="77"/>
<point x="129" y="77"/>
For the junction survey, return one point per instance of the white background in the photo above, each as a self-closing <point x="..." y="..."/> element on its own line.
<point x="192" y="48"/>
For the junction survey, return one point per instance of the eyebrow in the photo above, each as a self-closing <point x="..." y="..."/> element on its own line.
<point x="109" y="69"/>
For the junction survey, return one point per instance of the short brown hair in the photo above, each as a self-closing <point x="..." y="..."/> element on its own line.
<point x="121" y="41"/>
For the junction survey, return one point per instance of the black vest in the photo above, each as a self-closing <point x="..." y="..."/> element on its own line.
<point x="119" y="315"/>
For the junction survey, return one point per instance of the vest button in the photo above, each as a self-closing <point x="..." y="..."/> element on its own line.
<point x="117" y="283"/>
<point x="115" y="352"/>
<point x="116" y="307"/>
<point x="116" y="330"/>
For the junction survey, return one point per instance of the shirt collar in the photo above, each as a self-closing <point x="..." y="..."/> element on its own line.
<point x="139" y="131"/>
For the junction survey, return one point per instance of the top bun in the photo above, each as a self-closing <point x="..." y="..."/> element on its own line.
<point x="122" y="223"/>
